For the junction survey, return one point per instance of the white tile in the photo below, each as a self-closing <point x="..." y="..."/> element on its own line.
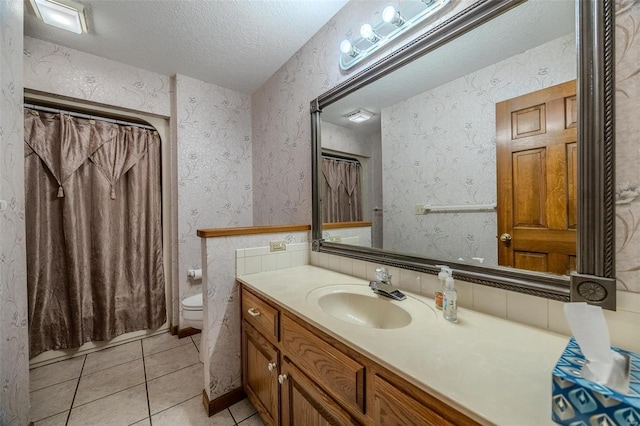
<point x="299" y="258"/>
<point x="143" y="422"/>
<point x="192" y="413"/>
<point x="360" y="269"/>
<point x="111" y="357"/>
<point x="315" y="258"/>
<point x="57" y="372"/>
<point x="52" y="400"/>
<point x="429" y="285"/>
<point x="239" y="253"/>
<point x="165" y="362"/>
<point x="256" y="251"/>
<point x="624" y="329"/>
<point x="527" y="309"/>
<point x="395" y="274"/>
<point x="371" y="270"/>
<point x="323" y="260"/>
<point x="465" y="294"/>
<point x="346" y="265"/>
<point x="252" y="265"/>
<point x="161" y="342"/>
<point x="628" y="301"/>
<point x="109" y="381"/>
<point x="269" y="262"/>
<point x="557" y="320"/>
<point x="283" y="260"/>
<point x="490" y="300"/>
<point x="175" y="388"/>
<point x="242" y="410"/>
<point x="298" y="247"/>
<point x="334" y="263"/>
<point x="254" y="420"/>
<point x="410" y="281"/>
<point x="240" y="266"/>
<point x="57" y="420"/>
<point x="122" y="408"/>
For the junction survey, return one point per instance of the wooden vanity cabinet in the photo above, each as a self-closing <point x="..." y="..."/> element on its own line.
<point x="295" y="374"/>
<point x="260" y="371"/>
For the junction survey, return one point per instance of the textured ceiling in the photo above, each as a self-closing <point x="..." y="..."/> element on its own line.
<point x="237" y="44"/>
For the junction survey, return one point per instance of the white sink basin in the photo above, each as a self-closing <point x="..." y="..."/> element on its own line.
<point x="358" y="305"/>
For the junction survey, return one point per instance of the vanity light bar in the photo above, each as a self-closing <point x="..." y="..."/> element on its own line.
<point x="393" y="24"/>
<point x="461" y="208"/>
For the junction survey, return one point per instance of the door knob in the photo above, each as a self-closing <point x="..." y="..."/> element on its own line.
<point x="282" y="378"/>
<point x="505" y="238"/>
<point x="271" y="366"/>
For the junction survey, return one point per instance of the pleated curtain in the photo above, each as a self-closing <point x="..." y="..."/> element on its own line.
<point x="94" y="230"/>
<point x="341" y="191"/>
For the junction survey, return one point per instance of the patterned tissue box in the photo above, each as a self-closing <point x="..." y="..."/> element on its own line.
<point x="577" y="401"/>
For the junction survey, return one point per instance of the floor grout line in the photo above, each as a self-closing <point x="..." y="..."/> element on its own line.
<point x="146" y="383"/>
<point x="76" y="391"/>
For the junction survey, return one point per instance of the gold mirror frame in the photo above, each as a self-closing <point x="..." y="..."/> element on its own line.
<point x="594" y="280"/>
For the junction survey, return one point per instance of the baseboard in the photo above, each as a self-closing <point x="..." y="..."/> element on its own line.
<point x="222" y="402"/>
<point x="189" y="331"/>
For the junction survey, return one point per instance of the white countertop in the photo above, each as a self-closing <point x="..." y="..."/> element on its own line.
<point x="494" y="370"/>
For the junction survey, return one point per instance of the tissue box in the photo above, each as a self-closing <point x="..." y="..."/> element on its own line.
<point x="577" y="401"/>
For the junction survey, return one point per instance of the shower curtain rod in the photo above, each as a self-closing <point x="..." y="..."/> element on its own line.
<point x="86" y="116"/>
<point x="335" y="157"/>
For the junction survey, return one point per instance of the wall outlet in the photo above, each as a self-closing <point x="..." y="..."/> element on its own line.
<point x="334" y="239"/>
<point x="277" y="246"/>
<point x="419" y="209"/>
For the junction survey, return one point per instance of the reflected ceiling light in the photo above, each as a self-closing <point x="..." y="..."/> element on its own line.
<point x="368" y="33"/>
<point x="64" y="14"/>
<point x="348" y="49"/>
<point x="359" y="116"/>
<point x="391" y="16"/>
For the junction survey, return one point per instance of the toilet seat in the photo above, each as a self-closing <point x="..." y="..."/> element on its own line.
<point x="192" y="303"/>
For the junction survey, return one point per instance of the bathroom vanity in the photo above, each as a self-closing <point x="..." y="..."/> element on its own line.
<point x="319" y="347"/>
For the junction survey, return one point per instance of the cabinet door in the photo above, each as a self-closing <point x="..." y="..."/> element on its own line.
<point x="394" y="407"/>
<point x="260" y="373"/>
<point x="304" y="403"/>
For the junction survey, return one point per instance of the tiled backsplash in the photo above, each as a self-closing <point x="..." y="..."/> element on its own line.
<point x="261" y="259"/>
<point x="624" y="324"/>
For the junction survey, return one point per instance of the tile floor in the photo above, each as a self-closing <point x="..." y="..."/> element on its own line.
<point x="154" y="381"/>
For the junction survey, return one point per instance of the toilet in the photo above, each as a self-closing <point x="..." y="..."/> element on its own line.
<point x="192" y="311"/>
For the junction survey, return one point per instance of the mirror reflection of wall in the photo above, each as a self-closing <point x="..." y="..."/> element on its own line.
<point x="439" y="148"/>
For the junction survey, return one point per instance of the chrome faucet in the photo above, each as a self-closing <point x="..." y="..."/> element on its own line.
<point x="383" y="285"/>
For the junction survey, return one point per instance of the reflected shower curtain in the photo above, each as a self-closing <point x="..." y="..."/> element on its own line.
<point x="341" y="191"/>
<point x="94" y="230"/>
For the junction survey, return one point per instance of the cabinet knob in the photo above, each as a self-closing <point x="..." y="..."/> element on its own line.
<point x="253" y="312"/>
<point x="271" y="366"/>
<point x="505" y="238"/>
<point x="282" y="378"/>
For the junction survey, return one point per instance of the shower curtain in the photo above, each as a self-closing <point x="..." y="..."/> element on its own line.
<point x="341" y="191"/>
<point x="94" y="230"/>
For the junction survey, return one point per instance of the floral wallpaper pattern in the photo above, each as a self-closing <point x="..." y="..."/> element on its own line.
<point x="628" y="144"/>
<point x="439" y="148"/>
<point x="56" y="69"/>
<point x="14" y="343"/>
<point x="214" y="167"/>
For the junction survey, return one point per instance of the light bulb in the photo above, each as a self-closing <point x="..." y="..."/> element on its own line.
<point x="391" y="16"/>
<point x="367" y="32"/>
<point x="348" y="49"/>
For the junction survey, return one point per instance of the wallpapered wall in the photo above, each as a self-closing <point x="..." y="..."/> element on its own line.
<point x="439" y="148"/>
<point x="214" y="166"/>
<point x="14" y="342"/>
<point x="281" y="126"/>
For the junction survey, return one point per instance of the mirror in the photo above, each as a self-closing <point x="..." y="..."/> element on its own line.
<point x="430" y="154"/>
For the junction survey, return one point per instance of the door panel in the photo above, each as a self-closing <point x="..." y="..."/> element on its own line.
<point x="536" y="147"/>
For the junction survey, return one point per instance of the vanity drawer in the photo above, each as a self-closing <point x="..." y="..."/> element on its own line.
<point x="260" y="314"/>
<point x="336" y="372"/>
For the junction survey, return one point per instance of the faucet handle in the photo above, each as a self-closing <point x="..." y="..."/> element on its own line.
<point x="383" y="275"/>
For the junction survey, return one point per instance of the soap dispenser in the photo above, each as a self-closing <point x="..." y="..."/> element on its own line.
<point x="450" y="300"/>
<point x="442" y="276"/>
